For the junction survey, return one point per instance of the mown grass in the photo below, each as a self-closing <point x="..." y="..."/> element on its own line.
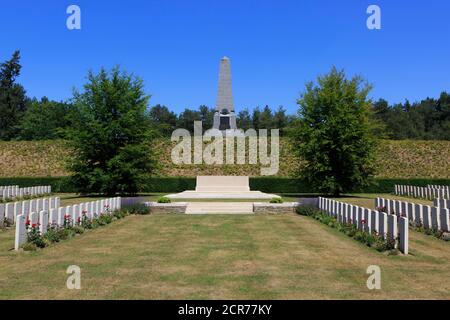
<point x="395" y="159"/>
<point x="222" y="257"/>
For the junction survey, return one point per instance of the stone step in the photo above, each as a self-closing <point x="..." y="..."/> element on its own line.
<point x="219" y="208"/>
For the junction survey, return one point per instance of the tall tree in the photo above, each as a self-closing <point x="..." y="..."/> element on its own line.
<point x="206" y="116"/>
<point x="266" y="119"/>
<point x="256" y="115"/>
<point x="335" y="133"/>
<point x="244" y="120"/>
<point x="13" y="100"/>
<point x="110" y="135"/>
<point x="44" y="119"/>
<point x="164" y="120"/>
<point x="186" y="119"/>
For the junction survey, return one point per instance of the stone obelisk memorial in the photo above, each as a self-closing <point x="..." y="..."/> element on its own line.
<point x="225" y="117"/>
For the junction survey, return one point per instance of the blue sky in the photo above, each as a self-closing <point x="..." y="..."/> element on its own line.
<point x="274" y="46"/>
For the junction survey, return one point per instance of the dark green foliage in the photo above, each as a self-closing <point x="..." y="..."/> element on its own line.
<point x="244" y="120"/>
<point x="164" y="200"/>
<point x="428" y="119"/>
<point x="186" y="120"/>
<point x="44" y="120"/>
<point x="110" y="135"/>
<point x="207" y="117"/>
<point x="163" y="120"/>
<point x="335" y="134"/>
<point x="13" y="100"/>
<point x="276" y="200"/>
<point x="139" y="209"/>
<point x="307" y="211"/>
<point x="264" y="184"/>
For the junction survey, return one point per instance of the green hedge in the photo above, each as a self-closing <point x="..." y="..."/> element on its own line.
<point x="266" y="184"/>
<point x="59" y="184"/>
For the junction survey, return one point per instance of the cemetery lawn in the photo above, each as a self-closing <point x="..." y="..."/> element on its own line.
<point x="222" y="257"/>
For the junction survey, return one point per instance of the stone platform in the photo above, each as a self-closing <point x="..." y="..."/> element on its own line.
<point x="222" y="187"/>
<point x="222" y="208"/>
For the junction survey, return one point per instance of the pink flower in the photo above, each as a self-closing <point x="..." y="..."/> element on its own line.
<point x="363" y="221"/>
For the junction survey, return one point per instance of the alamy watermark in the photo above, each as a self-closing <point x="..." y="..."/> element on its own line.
<point x="74" y="280"/>
<point x="374" y="280"/>
<point x="374" y="20"/>
<point x="73" y="22"/>
<point x="208" y="148"/>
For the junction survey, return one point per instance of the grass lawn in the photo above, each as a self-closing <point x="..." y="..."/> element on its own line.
<point x="222" y="257"/>
<point x="368" y="200"/>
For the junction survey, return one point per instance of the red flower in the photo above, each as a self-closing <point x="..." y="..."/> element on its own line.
<point x="33" y="225"/>
<point x="27" y="223"/>
<point x="79" y="219"/>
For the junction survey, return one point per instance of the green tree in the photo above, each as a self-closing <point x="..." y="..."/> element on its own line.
<point x="44" y="119"/>
<point x="110" y="135"/>
<point x="266" y="118"/>
<point x="335" y="133"/>
<point x="13" y="100"/>
<point x="165" y="121"/>
<point x="244" y="120"/>
<point x="207" y="117"/>
<point x="256" y="116"/>
<point x="186" y="119"/>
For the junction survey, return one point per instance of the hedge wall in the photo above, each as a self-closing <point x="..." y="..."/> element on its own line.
<point x="267" y="184"/>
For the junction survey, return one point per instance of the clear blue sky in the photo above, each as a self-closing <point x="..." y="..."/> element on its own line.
<point x="274" y="46"/>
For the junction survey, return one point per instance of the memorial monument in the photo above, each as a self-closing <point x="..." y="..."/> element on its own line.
<point x="225" y="117"/>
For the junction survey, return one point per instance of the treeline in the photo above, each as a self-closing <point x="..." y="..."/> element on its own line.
<point x="24" y="118"/>
<point x="428" y="119"/>
<point x="166" y="121"/>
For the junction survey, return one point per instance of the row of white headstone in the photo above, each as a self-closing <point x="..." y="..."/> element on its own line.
<point x="386" y="225"/>
<point x="61" y="215"/>
<point x="430" y="192"/>
<point x="441" y="203"/>
<point x="14" y="192"/>
<point x="431" y="217"/>
<point x="11" y="210"/>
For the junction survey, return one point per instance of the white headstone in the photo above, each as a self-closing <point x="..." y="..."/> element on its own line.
<point x="43" y="220"/>
<point x="382" y="224"/>
<point x="69" y="214"/>
<point x="361" y="218"/>
<point x="2" y="213"/>
<point x="374" y="220"/>
<point x="392" y="226"/>
<point x="368" y="219"/>
<point x="57" y="202"/>
<point x="17" y="209"/>
<point x="46" y="204"/>
<point x="411" y="211"/>
<point x="26" y="207"/>
<point x="61" y="214"/>
<point x="403" y="235"/>
<point x="53" y="216"/>
<point x="32" y="205"/>
<point x="435" y="219"/>
<point x="76" y="214"/>
<point x="445" y="217"/>
<point x="426" y="217"/>
<point x="418" y="213"/>
<point x="117" y="205"/>
<point x="39" y="205"/>
<point x="9" y="211"/>
<point x="21" y="232"/>
<point x="34" y="218"/>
